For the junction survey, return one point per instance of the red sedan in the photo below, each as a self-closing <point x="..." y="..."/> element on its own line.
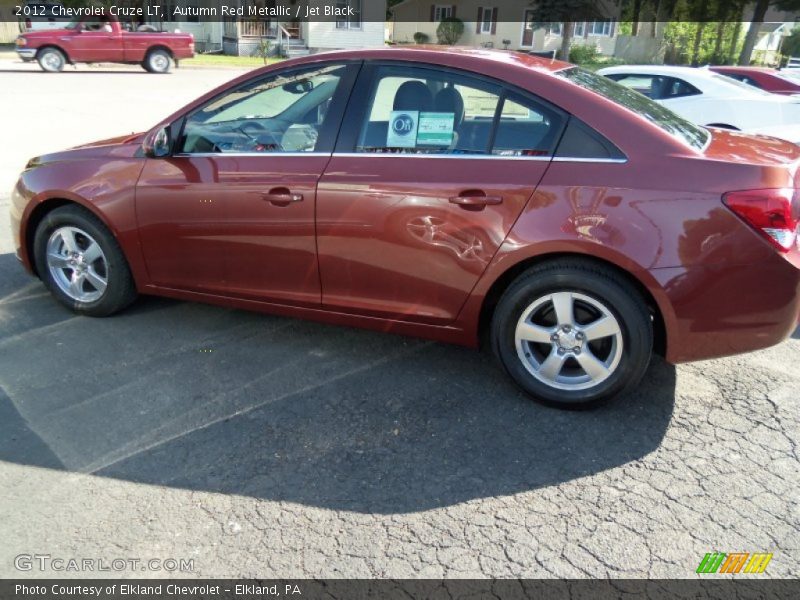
<point x="459" y="195"/>
<point x="769" y="80"/>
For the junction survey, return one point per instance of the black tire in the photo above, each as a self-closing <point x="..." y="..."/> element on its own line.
<point x="120" y="290"/>
<point x="594" y="283"/>
<point x="157" y="61"/>
<point x="51" y="60"/>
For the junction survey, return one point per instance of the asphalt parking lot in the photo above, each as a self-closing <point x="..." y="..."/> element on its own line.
<point x="267" y="447"/>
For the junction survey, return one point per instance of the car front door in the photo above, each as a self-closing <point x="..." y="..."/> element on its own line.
<point x="431" y="170"/>
<point x="232" y="210"/>
<point x="95" y="40"/>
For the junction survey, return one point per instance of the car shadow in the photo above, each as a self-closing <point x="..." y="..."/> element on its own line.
<point x="796" y="334"/>
<point x="204" y="398"/>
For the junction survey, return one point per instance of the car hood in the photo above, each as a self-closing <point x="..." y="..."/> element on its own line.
<point x="123" y="146"/>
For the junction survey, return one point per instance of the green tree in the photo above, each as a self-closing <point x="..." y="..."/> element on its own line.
<point x="565" y="12"/>
<point x="759" y="12"/>
<point x="791" y="45"/>
<point x="450" y="30"/>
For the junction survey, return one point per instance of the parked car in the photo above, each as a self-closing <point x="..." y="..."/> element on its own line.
<point x="103" y="39"/>
<point x="38" y="16"/>
<point x="459" y="195"/>
<point x="763" y="78"/>
<point x="713" y="100"/>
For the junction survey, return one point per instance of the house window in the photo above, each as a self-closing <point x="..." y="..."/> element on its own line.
<point x="487" y="20"/>
<point x="602" y="28"/>
<point x="353" y="20"/>
<point x="554" y="29"/>
<point x="440" y="12"/>
<point x="580" y="29"/>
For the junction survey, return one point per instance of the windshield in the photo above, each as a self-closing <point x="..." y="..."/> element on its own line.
<point x="675" y="125"/>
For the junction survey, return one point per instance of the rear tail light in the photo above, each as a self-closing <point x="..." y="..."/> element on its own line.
<point x="775" y="214"/>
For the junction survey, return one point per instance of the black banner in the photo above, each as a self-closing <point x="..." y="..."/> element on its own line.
<point x="371" y="11"/>
<point x="449" y="589"/>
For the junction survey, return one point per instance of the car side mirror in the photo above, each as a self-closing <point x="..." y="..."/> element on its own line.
<point x="157" y="144"/>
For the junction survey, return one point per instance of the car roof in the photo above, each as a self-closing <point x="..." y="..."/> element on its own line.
<point x="659" y="70"/>
<point x="741" y="69"/>
<point x="429" y="53"/>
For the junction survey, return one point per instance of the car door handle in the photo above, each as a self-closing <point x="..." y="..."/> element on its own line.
<point x="475" y="200"/>
<point x="281" y="197"/>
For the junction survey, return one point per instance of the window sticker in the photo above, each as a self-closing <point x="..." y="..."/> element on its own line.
<point x="402" y="129"/>
<point x="435" y="129"/>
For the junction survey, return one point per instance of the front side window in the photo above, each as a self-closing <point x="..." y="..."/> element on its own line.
<point x="673" y="124"/>
<point x="282" y="113"/>
<point x="414" y="110"/>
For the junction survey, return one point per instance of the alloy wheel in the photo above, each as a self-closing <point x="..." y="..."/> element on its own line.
<point x="569" y="341"/>
<point x="77" y="264"/>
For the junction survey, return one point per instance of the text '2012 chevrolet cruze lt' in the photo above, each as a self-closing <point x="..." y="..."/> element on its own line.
<point x="458" y="195"/>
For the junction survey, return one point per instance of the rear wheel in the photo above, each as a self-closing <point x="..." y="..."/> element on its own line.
<point x="157" y="61"/>
<point x="81" y="263"/>
<point x="572" y="334"/>
<point x="51" y="60"/>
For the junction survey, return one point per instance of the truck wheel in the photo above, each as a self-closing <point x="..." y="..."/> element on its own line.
<point x="157" y="61"/>
<point x="51" y="60"/>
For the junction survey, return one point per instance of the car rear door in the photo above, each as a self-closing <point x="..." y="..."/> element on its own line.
<point x="232" y="210"/>
<point x="432" y="168"/>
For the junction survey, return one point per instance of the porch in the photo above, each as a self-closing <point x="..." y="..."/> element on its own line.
<point x="247" y="37"/>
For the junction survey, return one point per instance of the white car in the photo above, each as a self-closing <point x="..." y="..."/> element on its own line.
<point x="40" y="16"/>
<point x="713" y="100"/>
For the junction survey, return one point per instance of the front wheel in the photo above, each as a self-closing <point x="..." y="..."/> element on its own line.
<point x="51" y="60"/>
<point x="573" y="334"/>
<point x="157" y="61"/>
<point x="81" y="263"/>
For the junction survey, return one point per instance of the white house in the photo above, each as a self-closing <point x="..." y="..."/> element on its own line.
<point x="497" y="24"/>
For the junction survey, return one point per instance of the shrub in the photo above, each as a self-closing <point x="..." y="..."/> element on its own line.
<point x="421" y="37"/>
<point x="450" y="30"/>
<point x="582" y="54"/>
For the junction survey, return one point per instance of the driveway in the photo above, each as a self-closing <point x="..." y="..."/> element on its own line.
<point x="259" y="446"/>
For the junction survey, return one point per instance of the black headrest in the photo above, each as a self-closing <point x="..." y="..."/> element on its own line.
<point x="413" y="95"/>
<point x="449" y="100"/>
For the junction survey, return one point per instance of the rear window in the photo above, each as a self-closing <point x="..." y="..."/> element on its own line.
<point x="678" y="127"/>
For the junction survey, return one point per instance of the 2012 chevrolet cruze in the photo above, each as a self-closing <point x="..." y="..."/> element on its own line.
<point x="457" y="195"/>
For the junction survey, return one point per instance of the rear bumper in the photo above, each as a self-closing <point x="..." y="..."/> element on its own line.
<point x="722" y="310"/>
<point x="26" y="53"/>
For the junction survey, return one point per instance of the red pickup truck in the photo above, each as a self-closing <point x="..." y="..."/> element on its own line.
<point x="104" y="39"/>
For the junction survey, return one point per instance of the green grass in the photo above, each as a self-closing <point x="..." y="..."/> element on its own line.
<point x="221" y="60"/>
